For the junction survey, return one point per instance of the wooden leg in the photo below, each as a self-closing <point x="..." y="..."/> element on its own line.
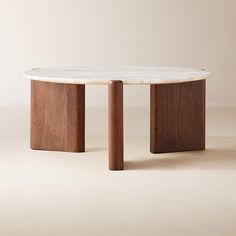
<point x="115" y="107"/>
<point x="177" y="117"/>
<point x="57" y="116"/>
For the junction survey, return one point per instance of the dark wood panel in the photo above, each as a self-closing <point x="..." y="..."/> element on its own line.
<point x="177" y="117"/>
<point x="57" y="116"/>
<point x="115" y="120"/>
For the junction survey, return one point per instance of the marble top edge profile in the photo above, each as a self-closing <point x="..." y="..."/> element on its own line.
<point x="127" y="74"/>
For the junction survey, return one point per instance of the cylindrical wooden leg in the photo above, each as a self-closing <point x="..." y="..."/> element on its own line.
<point x="115" y="120"/>
<point x="177" y="117"/>
<point x="57" y="116"/>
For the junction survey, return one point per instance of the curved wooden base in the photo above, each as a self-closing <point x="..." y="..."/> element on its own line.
<point x="177" y="117"/>
<point x="57" y="116"/>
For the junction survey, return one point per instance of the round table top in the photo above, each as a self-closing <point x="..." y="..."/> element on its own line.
<point x="127" y="74"/>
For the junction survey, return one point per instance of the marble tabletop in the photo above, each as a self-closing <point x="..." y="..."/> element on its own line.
<point x="127" y="74"/>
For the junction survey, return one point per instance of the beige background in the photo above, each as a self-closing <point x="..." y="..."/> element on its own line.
<point x="73" y="194"/>
<point x="69" y="194"/>
<point x="187" y="33"/>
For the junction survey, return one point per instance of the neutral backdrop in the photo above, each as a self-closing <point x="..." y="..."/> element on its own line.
<point x="69" y="194"/>
<point x="185" y="33"/>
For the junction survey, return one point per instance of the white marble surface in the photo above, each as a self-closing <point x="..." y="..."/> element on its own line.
<point x="128" y="74"/>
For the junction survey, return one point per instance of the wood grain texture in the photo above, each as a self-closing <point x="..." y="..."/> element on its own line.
<point x="177" y="119"/>
<point x="115" y="120"/>
<point x="57" y="116"/>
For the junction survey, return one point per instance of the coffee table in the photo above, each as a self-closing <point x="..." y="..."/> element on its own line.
<point x="177" y="107"/>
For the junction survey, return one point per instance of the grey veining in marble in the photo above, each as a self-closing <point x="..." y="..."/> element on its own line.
<point x="128" y="74"/>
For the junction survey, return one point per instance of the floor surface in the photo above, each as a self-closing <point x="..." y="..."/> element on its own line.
<point x="66" y="194"/>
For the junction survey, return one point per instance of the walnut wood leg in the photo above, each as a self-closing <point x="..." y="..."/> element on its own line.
<point x="57" y="116"/>
<point x="115" y="110"/>
<point x="177" y="117"/>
